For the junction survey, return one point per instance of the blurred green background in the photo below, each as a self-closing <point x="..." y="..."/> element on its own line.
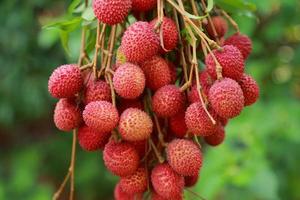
<point x="260" y="158"/>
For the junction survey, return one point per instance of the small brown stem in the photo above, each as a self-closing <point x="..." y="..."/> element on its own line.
<point x="72" y="167"/>
<point x="160" y="134"/>
<point x="232" y="22"/>
<point x="197" y="141"/>
<point x="87" y="66"/>
<point x="195" y="194"/>
<point x="61" y="187"/>
<point x="157" y="154"/>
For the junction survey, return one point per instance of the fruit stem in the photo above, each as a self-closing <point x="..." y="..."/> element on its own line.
<point x="197" y="141"/>
<point x="232" y="22"/>
<point x="72" y="167"/>
<point x="157" y="154"/>
<point x="195" y="194"/>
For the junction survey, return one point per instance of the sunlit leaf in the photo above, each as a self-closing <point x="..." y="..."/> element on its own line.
<point x="210" y="5"/>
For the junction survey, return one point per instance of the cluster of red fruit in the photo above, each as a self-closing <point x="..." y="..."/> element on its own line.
<point x="149" y="103"/>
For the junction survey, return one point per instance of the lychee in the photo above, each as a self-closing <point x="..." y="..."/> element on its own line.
<point x="242" y="42"/>
<point x="166" y="182"/>
<point x="140" y="146"/>
<point x="65" y="81"/>
<point x="67" y="115"/>
<point x="129" y="81"/>
<point x="120" y="158"/>
<point x="101" y="116"/>
<point x="177" y="125"/>
<point x="168" y="101"/>
<point x="157" y="72"/>
<point x="231" y="61"/>
<point x="216" y="138"/>
<point x="129" y="103"/>
<point x="184" y="157"/>
<point x="155" y="196"/>
<point x="220" y="25"/>
<point x="135" y="125"/>
<point x="139" y="42"/>
<point x="119" y="194"/>
<point x="111" y="11"/>
<point x="136" y="182"/>
<point x="250" y="89"/>
<point x="198" y="121"/>
<point x="190" y="181"/>
<point x="226" y="98"/>
<point x="97" y="91"/>
<point x="143" y="5"/>
<point x="173" y="71"/>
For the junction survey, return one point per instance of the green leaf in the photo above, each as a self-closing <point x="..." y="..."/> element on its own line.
<point x="64" y="37"/>
<point x="188" y="15"/>
<point x="236" y="5"/>
<point x="65" y="25"/>
<point x="73" y="5"/>
<point x="210" y="5"/>
<point x="88" y="14"/>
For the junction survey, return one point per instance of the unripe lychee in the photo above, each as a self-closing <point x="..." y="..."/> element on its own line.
<point x="168" y="101"/>
<point x="65" y="81"/>
<point x="119" y="194"/>
<point x="216" y="138"/>
<point x="91" y="140"/>
<point x="190" y="181"/>
<point x="184" y="157"/>
<point x="231" y="61"/>
<point x="242" y="42"/>
<point x="143" y="5"/>
<point x="120" y="158"/>
<point x="129" y="103"/>
<point x="101" y="116"/>
<point x="139" y="42"/>
<point x="197" y="120"/>
<point x="166" y="182"/>
<point x="157" y="72"/>
<point x="97" y="91"/>
<point x="226" y="98"/>
<point x="169" y="33"/>
<point x="177" y="125"/>
<point x="220" y="25"/>
<point x="67" y="115"/>
<point x="136" y="182"/>
<point x="135" y="125"/>
<point x="129" y="81"/>
<point x="250" y="89"/>
<point x="111" y="11"/>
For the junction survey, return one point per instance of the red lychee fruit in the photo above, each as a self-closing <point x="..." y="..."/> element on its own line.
<point x="129" y="81"/>
<point x="101" y="116"/>
<point x="65" y="81"/>
<point x="242" y="42"/>
<point x="97" y="91"/>
<point x="135" y="125"/>
<point x="190" y="181"/>
<point x="139" y="42"/>
<point x="111" y="11"/>
<point x="177" y="125"/>
<point x="250" y="89"/>
<point x="120" y="158"/>
<point x="169" y="33"/>
<point x="197" y="120"/>
<point x="231" y="61"/>
<point x="220" y="25"/>
<point x="157" y="72"/>
<point x="173" y="72"/>
<point x="184" y="157"/>
<point x="143" y="5"/>
<point x="226" y="98"/>
<point x="91" y="140"/>
<point x="67" y="115"/>
<point x="216" y="138"/>
<point x="140" y="146"/>
<point x="119" y="194"/>
<point x="129" y="103"/>
<point x="155" y="196"/>
<point x="136" y="182"/>
<point x="168" y="101"/>
<point x="166" y="182"/>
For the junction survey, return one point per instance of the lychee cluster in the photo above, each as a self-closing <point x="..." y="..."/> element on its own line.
<point x="150" y="110"/>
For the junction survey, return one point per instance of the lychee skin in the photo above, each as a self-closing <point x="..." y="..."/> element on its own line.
<point x="250" y="89"/>
<point x="111" y="12"/>
<point x="135" y="125"/>
<point x="143" y="5"/>
<point x="184" y="157"/>
<point x="198" y="121"/>
<point x="231" y="61"/>
<point x="65" y="81"/>
<point x="97" y="91"/>
<point x="129" y="81"/>
<point x="220" y="25"/>
<point x="91" y="140"/>
<point x="136" y="182"/>
<point x="67" y="115"/>
<point x="242" y="42"/>
<point x="140" y="146"/>
<point x="177" y="125"/>
<point x="101" y="116"/>
<point x="139" y="42"/>
<point x="157" y="72"/>
<point x="169" y="33"/>
<point x="120" y="158"/>
<point x="155" y="196"/>
<point x="119" y="194"/>
<point x="190" y="181"/>
<point x="168" y="101"/>
<point x="216" y="138"/>
<point x="226" y="98"/>
<point x="166" y="182"/>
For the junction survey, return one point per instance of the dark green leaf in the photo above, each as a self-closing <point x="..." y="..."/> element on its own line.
<point x="65" y="25"/>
